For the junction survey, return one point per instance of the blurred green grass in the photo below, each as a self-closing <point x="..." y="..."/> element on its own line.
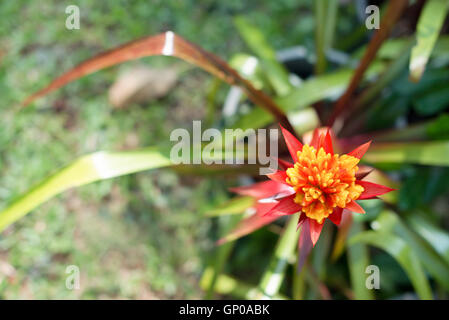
<point x="140" y="236"/>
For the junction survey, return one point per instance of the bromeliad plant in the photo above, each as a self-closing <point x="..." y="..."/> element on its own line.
<point x="319" y="184"/>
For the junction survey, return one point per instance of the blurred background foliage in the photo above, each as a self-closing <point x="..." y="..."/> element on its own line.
<point x="148" y="235"/>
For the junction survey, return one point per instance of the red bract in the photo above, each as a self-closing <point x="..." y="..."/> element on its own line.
<point x="318" y="185"/>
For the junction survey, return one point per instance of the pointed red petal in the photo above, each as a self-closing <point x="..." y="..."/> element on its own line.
<point x="302" y="218"/>
<point x="354" y="207"/>
<point x="284" y="164"/>
<point x="360" y="151"/>
<point x="293" y="144"/>
<point x="285" y="206"/>
<point x="315" y="138"/>
<point x="254" y="222"/>
<point x="278" y="176"/>
<point x="261" y="190"/>
<point x="315" y="230"/>
<point x="325" y="142"/>
<point x="304" y="244"/>
<point x="372" y="189"/>
<point x="363" y="172"/>
<point x="335" y="217"/>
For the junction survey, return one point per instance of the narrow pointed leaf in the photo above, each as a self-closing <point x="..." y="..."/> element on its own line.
<point x="425" y="153"/>
<point x="429" y="26"/>
<point x="402" y="253"/>
<point x="325" y="27"/>
<point x="87" y="169"/>
<point x="233" y="206"/>
<point x="358" y="260"/>
<point x="255" y="39"/>
<point x="436" y="237"/>
<point x="167" y="44"/>
<point x="435" y="264"/>
<point x="273" y="277"/>
<point x="311" y="91"/>
<point x="228" y="285"/>
<point x="394" y="11"/>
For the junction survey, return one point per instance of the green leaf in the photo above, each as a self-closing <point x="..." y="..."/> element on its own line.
<point x="438" y="238"/>
<point x="428" y="29"/>
<point x="272" y="279"/>
<point x="432" y="103"/>
<point x="90" y="168"/>
<point x="425" y="153"/>
<point x="255" y="39"/>
<point x="392" y="48"/>
<point x="432" y="262"/>
<point x="228" y="285"/>
<point x="222" y="253"/>
<point x="358" y="260"/>
<point x="249" y="67"/>
<point x="403" y="254"/>
<point x="233" y="206"/>
<point x="325" y="26"/>
<point x="438" y="129"/>
<point x="422" y="186"/>
<point x="311" y="91"/>
<point x="87" y="169"/>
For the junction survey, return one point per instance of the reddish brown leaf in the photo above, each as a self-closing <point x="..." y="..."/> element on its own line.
<point x="394" y="11"/>
<point x="167" y="44"/>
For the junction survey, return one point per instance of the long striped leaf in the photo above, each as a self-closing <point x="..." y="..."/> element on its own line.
<point x="272" y="279"/>
<point x="276" y="73"/>
<point x="87" y="169"/>
<point x="429" y="25"/>
<point x="425" y="153"/>
<point x="358" y="260"/>
<point x="432" y="262"/>
<point x="402" y="253"/>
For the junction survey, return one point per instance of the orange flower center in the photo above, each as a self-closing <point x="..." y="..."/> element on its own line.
<point x="323" y="181"/>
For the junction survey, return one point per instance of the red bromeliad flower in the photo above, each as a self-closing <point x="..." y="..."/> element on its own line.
<point x="318" y="184"/>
